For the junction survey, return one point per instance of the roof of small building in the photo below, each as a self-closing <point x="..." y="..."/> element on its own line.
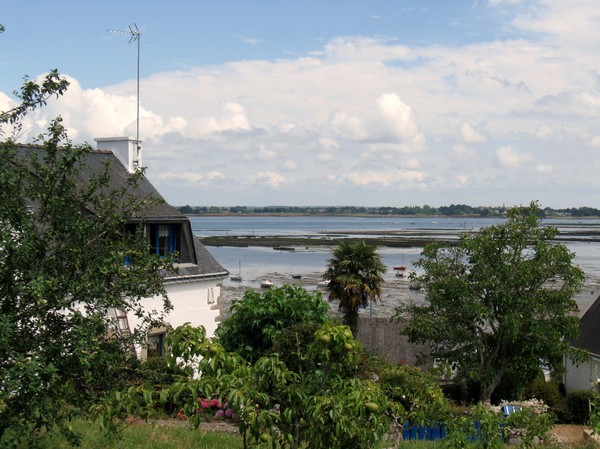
<point x="589" y="327"/>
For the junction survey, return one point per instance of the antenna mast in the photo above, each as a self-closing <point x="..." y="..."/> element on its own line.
<point x="135" y="34"/>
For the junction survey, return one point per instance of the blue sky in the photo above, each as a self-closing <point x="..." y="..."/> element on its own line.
<point x="387" y="103"/>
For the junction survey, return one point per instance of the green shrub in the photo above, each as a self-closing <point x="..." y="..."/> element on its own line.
<point x="156" y="371"/>
<point x="417" y="391"/>
<point x="257" y="320"/>
<point x="550" y="394"/>
<point x="579" y="404"/>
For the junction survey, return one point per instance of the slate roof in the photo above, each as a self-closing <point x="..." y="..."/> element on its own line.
<point x="98" y="161"/>
<point x="589" y="326"/>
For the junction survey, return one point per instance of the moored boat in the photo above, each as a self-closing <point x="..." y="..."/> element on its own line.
<point x="266" y="284"/>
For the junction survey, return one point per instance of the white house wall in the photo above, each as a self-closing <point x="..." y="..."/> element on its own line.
<point x="196" y="302"/>
<point x="582" y="376"/>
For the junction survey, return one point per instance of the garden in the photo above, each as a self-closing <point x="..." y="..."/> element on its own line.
<point x="305" y="381"/>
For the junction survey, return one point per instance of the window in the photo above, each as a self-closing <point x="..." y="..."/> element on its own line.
<point x="164" y="239"/>
<point x="156" y="345"/>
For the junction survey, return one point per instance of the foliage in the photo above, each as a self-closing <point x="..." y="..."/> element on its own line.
<point x="256" y="321"/>
<point x="62" y="253"/>
<point x="417" y="391"/>
<point x="354" y="274"/>
<point x="321" y="405"/>
<point x="579" y="404"/>
<point x="493" y="429"/>
<point x="500" y="298"/>
<point x="550" y="394"/>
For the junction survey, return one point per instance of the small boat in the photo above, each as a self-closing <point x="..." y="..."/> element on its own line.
<point x="296" y="276"/>
<point x="237" y="277"/>
<point x="399" y="274"/>
<point x="266" y="284"/>
<point x="400" y="267"/>
<point x="323" y="284"/>
<point x="414" y="287"/>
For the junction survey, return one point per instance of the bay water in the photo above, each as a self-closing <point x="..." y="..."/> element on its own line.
<point x="257" y="264"/>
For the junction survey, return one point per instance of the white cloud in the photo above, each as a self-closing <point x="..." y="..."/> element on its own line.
<point x="545" y="132"/>
<point x="290" y="165"/>
<point x="595" y="142"/>
<point x="507" y="157"/>
<point x="326" y="157"/>
<point x="397" y="178"/>
<point x="271" y="179"/>
<point x="388" y="126"/>
<point x="544" y="168"/>
<point x="470" y="135"/>
<point x="266" y="155"/>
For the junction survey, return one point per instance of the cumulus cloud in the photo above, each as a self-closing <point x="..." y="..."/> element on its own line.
<point x="272" y="179"/>
<point x="470" y="135"/>
<point x="507" y="157"/>
<point x="389" y="125"/>
<point x="397" y="178"/>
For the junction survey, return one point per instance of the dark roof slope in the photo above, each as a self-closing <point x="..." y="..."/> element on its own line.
<point x="206" y="262"/>
<point x="589" y="326"/>
<point x="96" y="162"/>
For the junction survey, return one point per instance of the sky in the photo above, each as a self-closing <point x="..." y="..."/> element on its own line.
<point x="328" y="102"/>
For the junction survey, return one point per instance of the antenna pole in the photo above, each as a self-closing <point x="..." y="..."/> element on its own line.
<point x="135" y="34"/>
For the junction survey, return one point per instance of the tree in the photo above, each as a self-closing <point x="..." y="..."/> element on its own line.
<point x="499" y="300"/>
<point x="62" y="269"/>
<point x="256" y="320"/>
<point x="354" y="273"/>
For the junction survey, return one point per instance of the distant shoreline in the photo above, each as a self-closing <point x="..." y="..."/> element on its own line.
<point x="301" y="214"/>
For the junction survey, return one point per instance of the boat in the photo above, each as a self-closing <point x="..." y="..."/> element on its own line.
<point x="237" y="277"/>
<point x="399" y="274"/>
<point x="266" y="284"/>
<point x="323" y="284"/>
<point x="296" y="276"/>
<point x="400" y="267"/>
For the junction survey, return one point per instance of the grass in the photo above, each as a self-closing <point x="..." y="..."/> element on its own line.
<point x="152" y="436"/>
<point x="147" y="436"/>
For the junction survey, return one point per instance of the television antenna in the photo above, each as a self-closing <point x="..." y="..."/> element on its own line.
<point x="135" y="34"/>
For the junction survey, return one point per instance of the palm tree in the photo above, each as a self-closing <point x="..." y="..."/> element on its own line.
<point x="355" y="276"/>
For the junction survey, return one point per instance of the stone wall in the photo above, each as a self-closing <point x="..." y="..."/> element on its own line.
<point x="382" y="337"/>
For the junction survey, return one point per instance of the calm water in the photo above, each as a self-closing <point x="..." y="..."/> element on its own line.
<point x="258" y="263"/>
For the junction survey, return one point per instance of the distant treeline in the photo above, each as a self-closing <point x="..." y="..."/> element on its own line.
<point x="452" y="210"/>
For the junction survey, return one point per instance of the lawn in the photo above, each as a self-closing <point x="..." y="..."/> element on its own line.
<point x="153" y="436"/>
<point x="148" y="436"/>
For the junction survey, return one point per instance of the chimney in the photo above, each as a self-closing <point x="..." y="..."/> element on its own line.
<point x="127" y="150"/>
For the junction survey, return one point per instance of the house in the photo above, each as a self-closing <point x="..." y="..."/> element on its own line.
<point x="584" y="375"/>
<point x="194" y="290"/>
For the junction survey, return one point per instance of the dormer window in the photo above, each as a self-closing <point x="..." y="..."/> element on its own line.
<point x="164" y="238"/>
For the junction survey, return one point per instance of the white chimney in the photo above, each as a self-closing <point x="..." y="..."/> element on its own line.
<point x="125" y="148"/>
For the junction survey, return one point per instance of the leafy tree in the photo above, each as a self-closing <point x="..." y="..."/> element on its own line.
<point x="354" y="273"/>
<point x="62" y="254"/>
<point x="257" y="320"/>
<point x="500" y="299"/>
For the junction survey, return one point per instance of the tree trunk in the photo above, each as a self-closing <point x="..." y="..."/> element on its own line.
<point x="351" y="319"/>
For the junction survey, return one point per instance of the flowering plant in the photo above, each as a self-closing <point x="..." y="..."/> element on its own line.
<point x="210" y="408"/>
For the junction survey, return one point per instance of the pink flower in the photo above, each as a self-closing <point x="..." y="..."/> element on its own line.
<point x="219" y="414"/>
